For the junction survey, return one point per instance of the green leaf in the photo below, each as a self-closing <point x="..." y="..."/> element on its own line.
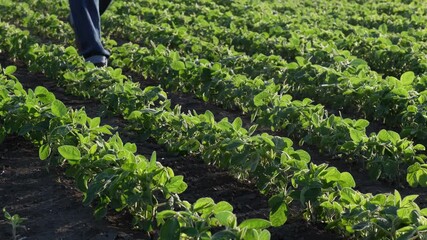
<point x="203" y="203"/>
<point x="237" y="123"/>
<point x="332" y="174"/>
<point x="233" y="144"/>
<point x="100" y="212"/>
<point x="170" y="230"/>
<point x="358" y="62"/>
<point x="412" y="109"/>
<point x="417" y="175"/>
<point x="44" y="151"/>
<point x="400" y="91"/>
<point x="356" y="136"/>
<point x="210" y="117"/>
<point x="42" y="94"/>
<point x="226" y="218"/>
<point x="82" y="182"/>
<point x="251" y="234"/>
<point x="301" y="61"/>
<point x="408" y="200"/>
<point x="190" y="231"/>
<point x="361" y="124"/>
<point x="264" y="235"/>
<point x="397" y="198"/>
<point x="411" y="178"/>
<point x="178" y="65"/>
<point x="383" y="136"/>
<point x="278" y="210"/>
<point x="347" y="180"/>
<point x="176" y="185"/>
<point x="174" y="55"/>
<point x="252" y="129"/>
<point x="419" y="147"/>
<point x="408" y="233"/>
<point x="255" y="223"/>
<point x="386" y="136"/>
<point x="407" y="78"/>
<point x="424" y="212"/>
<point x="92" y="192"/>
<point x="165" y="214"/>
<point x="379" y="199"/>
<point x="58" y="108"/>
<point x="153" y="159"/>
<point x="224" y="235"/>
<point x="215" y="40"/>
<point x="94" y="122"/>
<point x="361" y="226"/>
<point x="216" y="67"/>
<point x="222" y="206"/>
<point x="422" y="228"/>
<point x="394" y="136"/>
<point x="267" y="139"/>
<point x="348" y="146"/>
<point x="292" y="65"/>
<point x="6" y="214"/>
<point x="131" y="147"/>
<point x="260" y="98"/>
<point x="383" y="28"/>
<point x="93" y="149"/>
<point x="71" y="153"/>
<point x="9" y="70"/>
<point x="310" y="193"/>
<point x="348" y="195"/>
<point x="302" y="155"/>
<point x="404" y="214"/>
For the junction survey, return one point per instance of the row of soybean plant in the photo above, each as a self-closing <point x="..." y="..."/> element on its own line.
<point x="321" y="190"/>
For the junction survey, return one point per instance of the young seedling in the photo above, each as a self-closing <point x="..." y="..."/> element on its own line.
<point x="15" y="221"/>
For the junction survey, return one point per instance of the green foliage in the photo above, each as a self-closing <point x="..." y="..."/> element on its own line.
<point x="315" y="66"/>
<point x="15" y="221"/>
<point x="194" y="220"/>
<point x="110" y="174"/>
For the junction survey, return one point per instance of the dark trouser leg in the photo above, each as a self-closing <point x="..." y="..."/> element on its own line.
<point x="103" y="5"/>
<point x="87" y="25"/>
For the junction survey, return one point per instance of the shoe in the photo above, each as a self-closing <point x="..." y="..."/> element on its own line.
<point x="98" y="60"/>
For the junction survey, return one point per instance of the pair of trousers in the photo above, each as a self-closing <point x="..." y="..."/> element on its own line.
<point x="86" y="21"/>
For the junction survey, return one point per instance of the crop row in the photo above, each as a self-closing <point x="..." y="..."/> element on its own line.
<point x="260" y="16"/>
<point x="388" y="100"/>
<point x="291" y="28"/>
<point x="182" y="132"/>
<point x="383" y="153"/>
<point x="325" y="193"/>
<point x="109" y="173"/>
<point x="349" y="85"/>
<point x="271" y="16"/>
<point x="392" y="53"/>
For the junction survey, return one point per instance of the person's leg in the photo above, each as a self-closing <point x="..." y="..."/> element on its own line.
<point x="87" y="26"/>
